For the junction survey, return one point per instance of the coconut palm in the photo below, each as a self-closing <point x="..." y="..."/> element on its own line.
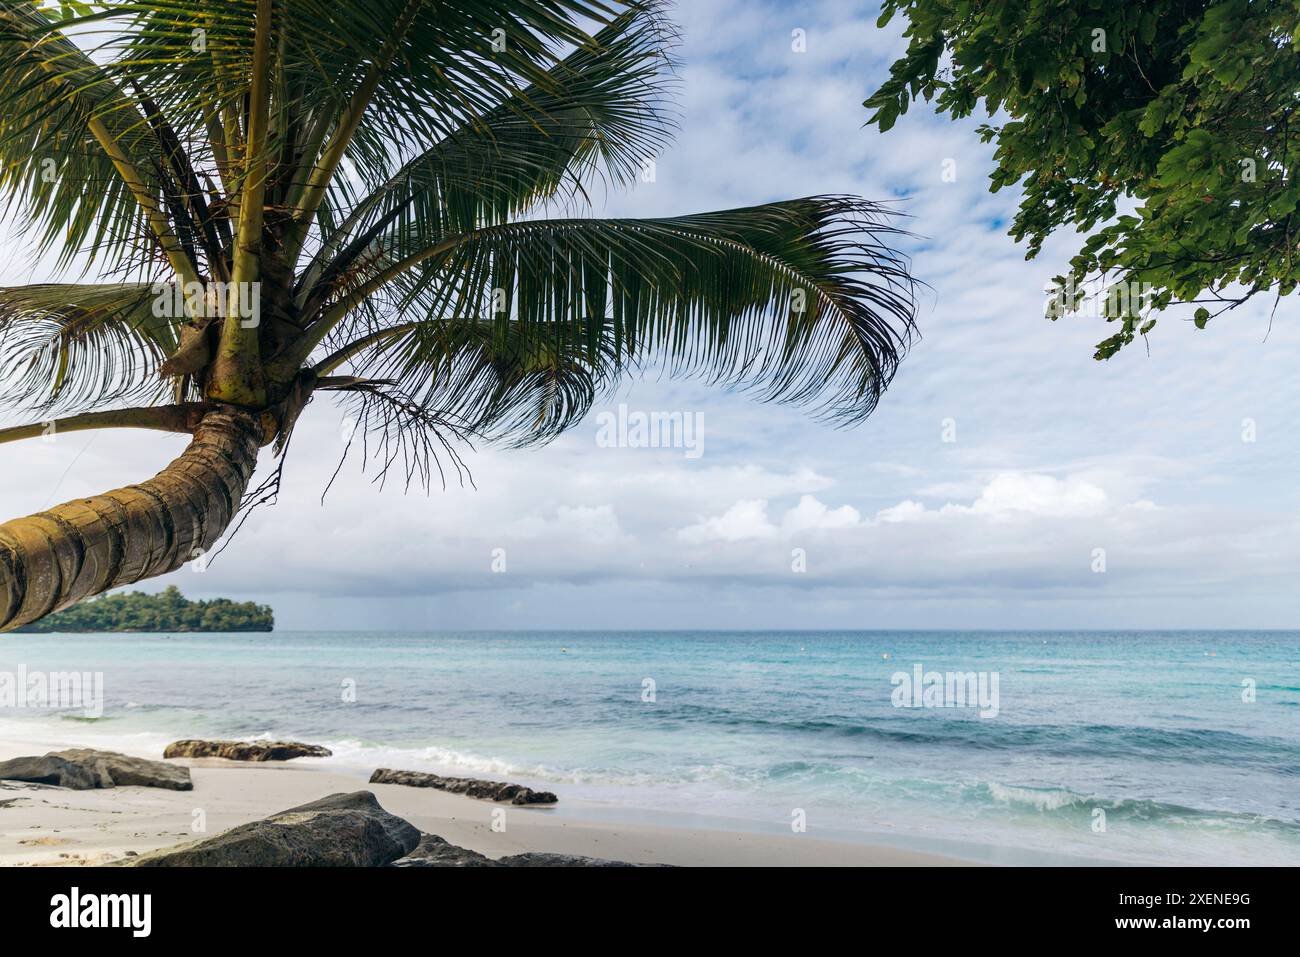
<point x="375" y="199"/>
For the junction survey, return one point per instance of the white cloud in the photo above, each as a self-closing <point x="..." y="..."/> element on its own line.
<point x="745" y="520"/>
<point x="812" y="515"/>
<point x="597" y="525"/>
<point x="1015" y="494"/>
<point x="905" y="511"/>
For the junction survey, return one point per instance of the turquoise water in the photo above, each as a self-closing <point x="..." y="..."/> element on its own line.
<point x="748" y="729"/>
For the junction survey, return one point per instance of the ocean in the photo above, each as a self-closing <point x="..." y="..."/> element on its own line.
<point x="1046" y="747"/>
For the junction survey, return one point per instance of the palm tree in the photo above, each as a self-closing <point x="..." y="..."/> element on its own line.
<point x="349" y="196"/>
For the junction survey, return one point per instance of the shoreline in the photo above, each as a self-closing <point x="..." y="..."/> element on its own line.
<point x="50" y="826"/>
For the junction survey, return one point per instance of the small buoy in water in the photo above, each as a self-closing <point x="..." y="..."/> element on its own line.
<point x="564" y="651"/>
<point x="885" y="655"/>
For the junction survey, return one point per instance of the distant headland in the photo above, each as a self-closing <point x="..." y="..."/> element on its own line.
<point x="168" y="610"/>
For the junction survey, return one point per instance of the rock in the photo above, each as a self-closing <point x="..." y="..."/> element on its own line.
<point x="50" y="770"/>
<point x="121" y="770"/>
<point x="342" y="830"/>
<point x="82" y="769"/>
<point x="471" y="787"/>
<point x="542" y="859"/>
<point x="434" y="851"/>
<point x="245" y="750"/>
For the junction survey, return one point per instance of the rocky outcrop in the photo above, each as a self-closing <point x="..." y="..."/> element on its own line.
<point x="121" y="770"/>
<point x="541" y="859"/>
<point x="434" y="851"/>
<point x="471" y="787"/>
<point x="342" y="830"/>
<point x="245" y="750"/>
<point x="49" y="770"/>
<point x="82" y="769"/>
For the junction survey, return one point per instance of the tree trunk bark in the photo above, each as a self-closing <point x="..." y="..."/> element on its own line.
<point x="58" y="557"/>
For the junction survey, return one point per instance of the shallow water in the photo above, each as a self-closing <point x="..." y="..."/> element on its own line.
<point x="1115" y="746"/>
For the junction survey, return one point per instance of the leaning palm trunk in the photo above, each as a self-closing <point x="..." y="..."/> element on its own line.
<point x="57" y="557"/>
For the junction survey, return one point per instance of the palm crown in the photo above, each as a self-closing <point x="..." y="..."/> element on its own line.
<point x="374" y="178"/>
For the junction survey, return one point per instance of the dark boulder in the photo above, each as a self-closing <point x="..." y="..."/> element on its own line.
<point x="50" y="770"/>
<point x="122" y="770"/>
<point x="434" y="851"/>
<point x="542" y="859"/>
<point x="83" y="768"/>
<point x="342" y="830"/>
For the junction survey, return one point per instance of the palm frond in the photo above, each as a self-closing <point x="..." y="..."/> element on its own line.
<point x="58" y="180"/>
<point x="452" y="70"/>
<point x="495" y="381"/>
<point x="800" y="302"/>
<point x="603" y="110"/>
<point x="82" y="347"/>
<point x="391" y="427"/>
<point x="448" y="67"/>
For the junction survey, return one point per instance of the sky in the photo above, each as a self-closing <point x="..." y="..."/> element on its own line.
<point x="1006" y="481"/>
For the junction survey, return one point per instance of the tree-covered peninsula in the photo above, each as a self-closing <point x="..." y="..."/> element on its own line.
<point x="168" y="610"/>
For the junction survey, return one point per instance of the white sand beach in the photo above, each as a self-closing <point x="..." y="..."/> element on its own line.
<point x="49" y="826"/>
